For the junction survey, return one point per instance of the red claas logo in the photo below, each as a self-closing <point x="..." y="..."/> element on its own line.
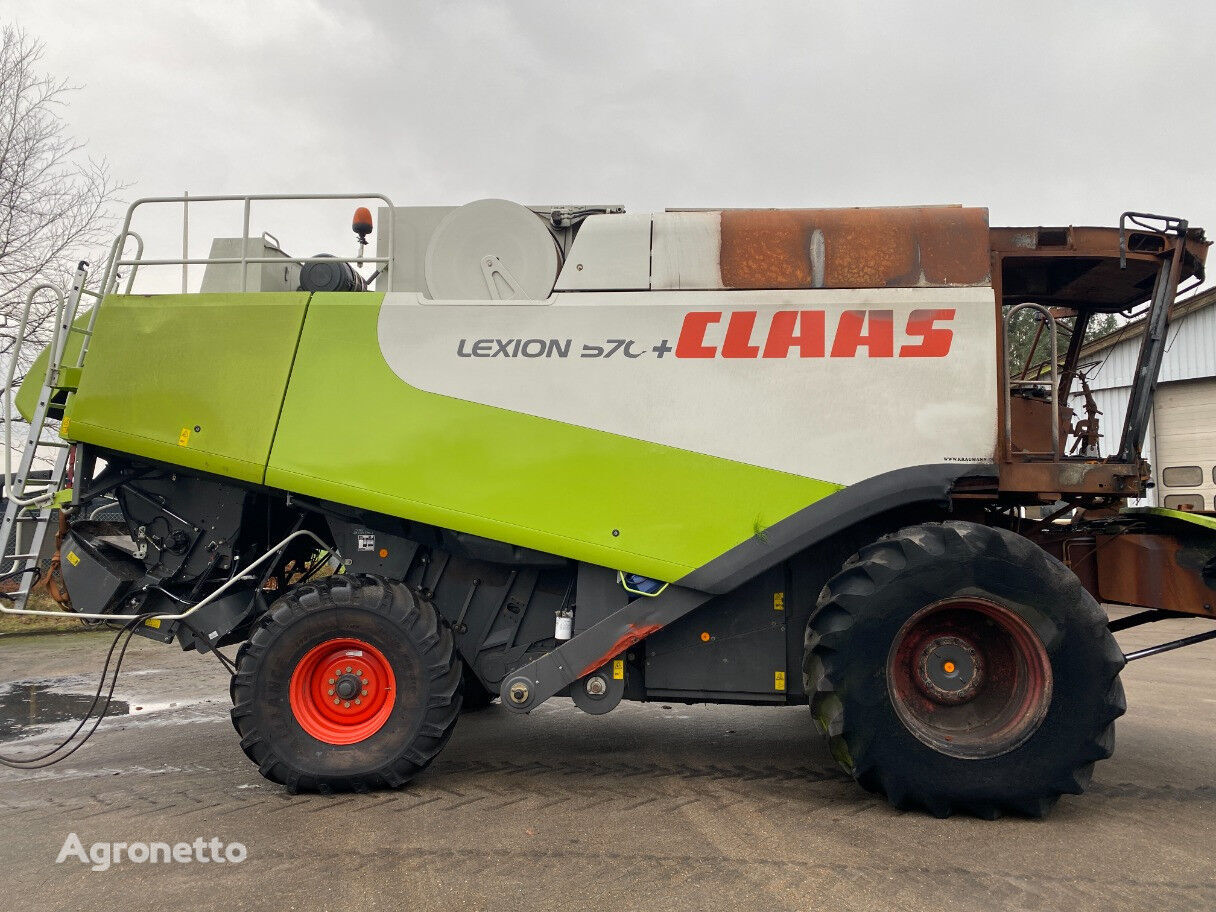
<point x="804" y="334"/>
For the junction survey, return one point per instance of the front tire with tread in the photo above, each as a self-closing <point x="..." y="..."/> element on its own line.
<point x="405" y="628"/>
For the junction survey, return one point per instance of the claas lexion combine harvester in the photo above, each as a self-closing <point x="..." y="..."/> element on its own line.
<point x="760" y="457"/>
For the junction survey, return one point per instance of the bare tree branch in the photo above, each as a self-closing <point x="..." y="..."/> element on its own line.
<point x="54" y="199"/>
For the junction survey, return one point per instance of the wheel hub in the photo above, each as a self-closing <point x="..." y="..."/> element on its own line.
<point x="348" y="687"/>
<point x="949" y="670"/>
<point x="342" y="691"/>
<point x="969" y="677"/>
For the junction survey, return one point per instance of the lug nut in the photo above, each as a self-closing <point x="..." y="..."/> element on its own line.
<point x="358" y="702"/>
<point x="365" y="682"/>
<point x="365" y="693"/>
<point x="336" y="701"/>
<point x="331" y="681"/>
<point x="348" y="669"/>
<point x="596" y="686"/>
<point x="519" y="693"/>
<point x="346" y="705"/>
<point x="331" y="691"/>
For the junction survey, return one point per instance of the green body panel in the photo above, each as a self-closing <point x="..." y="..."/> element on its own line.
<point x="1194" y="519"/>
<point x="317" y="411"/>
<point x="352" y="431"/>
<point x="27" y="395"/>
<point x="160" y="367"/>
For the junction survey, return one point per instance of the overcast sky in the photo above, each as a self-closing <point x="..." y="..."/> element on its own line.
<point x="1047" y="113"/>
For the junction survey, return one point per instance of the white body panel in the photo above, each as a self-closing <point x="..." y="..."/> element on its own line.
<point x="609" y="251"/>
<point x="687" y="250"/>
<point x="840" y="419"/>
<point x="226" y="277"/>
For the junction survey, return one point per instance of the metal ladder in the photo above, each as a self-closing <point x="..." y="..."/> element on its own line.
<point x="31" y="500"/>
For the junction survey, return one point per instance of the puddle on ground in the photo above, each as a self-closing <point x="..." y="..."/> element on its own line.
<point x="24" y="708"/>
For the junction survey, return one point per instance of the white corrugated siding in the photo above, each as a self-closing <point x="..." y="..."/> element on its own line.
<point x="1190" y="353"/>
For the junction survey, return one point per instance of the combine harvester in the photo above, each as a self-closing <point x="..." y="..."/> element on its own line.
<point x="763" y="457"/>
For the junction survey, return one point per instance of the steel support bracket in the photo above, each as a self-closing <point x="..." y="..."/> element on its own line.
<point x="527" y="687"/>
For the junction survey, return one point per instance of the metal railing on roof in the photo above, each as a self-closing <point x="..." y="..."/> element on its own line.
<point x="117" y="260"/>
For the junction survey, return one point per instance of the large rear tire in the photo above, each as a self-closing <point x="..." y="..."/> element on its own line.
<point x="958" y="667"/>
<point x="350" y="683"/>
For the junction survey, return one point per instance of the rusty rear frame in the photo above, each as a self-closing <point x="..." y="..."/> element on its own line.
<point x="1160" y="560"/>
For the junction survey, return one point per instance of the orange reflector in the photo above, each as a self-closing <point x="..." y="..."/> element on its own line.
<point x="705" y="637"/>
<point x="948" y="668"/>
<point x="384" y="552"/>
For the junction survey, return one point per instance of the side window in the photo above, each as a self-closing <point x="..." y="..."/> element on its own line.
<point x="1183" y="476"/>
<point x="1185" y="502"/>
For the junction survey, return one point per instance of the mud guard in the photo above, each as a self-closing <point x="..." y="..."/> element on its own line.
<point x="529" y="686"/>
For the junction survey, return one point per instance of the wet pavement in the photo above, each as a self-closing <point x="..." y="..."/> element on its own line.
<point x="650" y="807"/>
<point x="28" y="708"/>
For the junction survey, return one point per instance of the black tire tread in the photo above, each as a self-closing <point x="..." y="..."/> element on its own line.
<point x="865" y="574"/>
<point x="416" y="617"/>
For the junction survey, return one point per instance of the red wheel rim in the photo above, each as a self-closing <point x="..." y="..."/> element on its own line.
<point x="342" y="691"/>
<point x="969" y="678"/>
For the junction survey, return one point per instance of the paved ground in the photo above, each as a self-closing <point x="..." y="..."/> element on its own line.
<point x="652" y="807"/>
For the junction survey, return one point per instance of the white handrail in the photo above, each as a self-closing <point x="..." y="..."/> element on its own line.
<point x="116" y="261"/>
<point x="9" y="392"/>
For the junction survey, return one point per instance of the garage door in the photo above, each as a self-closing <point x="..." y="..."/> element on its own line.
<point x="1185" y="422"/>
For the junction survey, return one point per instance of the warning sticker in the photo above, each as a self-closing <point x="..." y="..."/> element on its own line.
<point x="779" y="680"/>
<point x="73" y="559"/>
<point x="365" y="541"/>
<point x="778" y="601"/>
<point x="183" y="439"/>
<point x="618" y="669"/>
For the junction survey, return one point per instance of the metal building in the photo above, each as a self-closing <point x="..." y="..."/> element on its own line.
<point x="1181" y="443"/>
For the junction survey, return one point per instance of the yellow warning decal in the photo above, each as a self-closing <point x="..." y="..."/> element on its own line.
<point x="63" y="425"/>
<point x="779" y="680"/>
<point x="778" y="601"/>
<point x="73" y="559"/>
<point x="152" y="622"/>
<point x="183" y="439"/>
<point x="618" y="669"/>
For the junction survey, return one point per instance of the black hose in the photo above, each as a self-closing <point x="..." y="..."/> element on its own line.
<point x="41" y="761"/>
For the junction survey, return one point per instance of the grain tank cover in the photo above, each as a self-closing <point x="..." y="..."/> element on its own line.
<point x="491" y="250"/>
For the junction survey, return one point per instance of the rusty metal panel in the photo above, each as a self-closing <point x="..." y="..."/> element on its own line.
<point x="1031" y="425"/>
<point x="1154" y="570"/>
<point x="1073" y="477"/>
<point x="1080" y="265"/>
<point x="910" y="247"/>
